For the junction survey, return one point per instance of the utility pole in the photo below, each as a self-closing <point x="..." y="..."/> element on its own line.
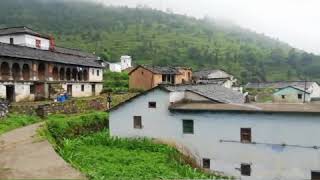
<point x="305" y="89"/>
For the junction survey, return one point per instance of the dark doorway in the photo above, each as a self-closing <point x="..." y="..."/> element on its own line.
<point x="69" y="89"/>
<point x="315" y="175"/>
<point x="10" y="93"/>
<point x="39" y="91"/>
<point x="93" y="89"/>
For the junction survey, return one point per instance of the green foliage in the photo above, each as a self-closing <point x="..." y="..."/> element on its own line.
<point x="154" y="37"/>
<point x="66" y="126"/>
<point x="116" y="82"/>
<point x="13" y="121"/>
<point x="102" y="157"/>
<point x="264" y="95"/>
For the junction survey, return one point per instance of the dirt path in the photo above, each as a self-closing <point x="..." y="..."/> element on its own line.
<point x="23" y="156"/>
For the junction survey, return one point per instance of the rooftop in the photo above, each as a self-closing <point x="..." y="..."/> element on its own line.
<point x="159" y="69"/>
<point x="21" y="30"/>
<point x="61" y="55"/>
<point x="281" y="84"/>
<point x="247" y="108"/>
<point x="206" y="73"/>
<point x="212" y="91"/>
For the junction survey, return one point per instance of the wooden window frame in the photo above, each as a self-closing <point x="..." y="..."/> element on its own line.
<point x="245" y="169"/>
<point x="187" y="130"/>
<point x="11" y="40"/>
<point x="38" y="43"/>
<point x="245" y="135"/>
<point x="206" y="163"/>
<point x="152" y="104"/>
<point x="300" y="96"/>
<point x="137" y="122"/>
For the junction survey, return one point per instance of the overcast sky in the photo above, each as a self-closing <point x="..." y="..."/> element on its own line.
<point x="296" y="22"/>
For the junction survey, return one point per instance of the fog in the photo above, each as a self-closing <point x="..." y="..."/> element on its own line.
<point x="293" y="21"/>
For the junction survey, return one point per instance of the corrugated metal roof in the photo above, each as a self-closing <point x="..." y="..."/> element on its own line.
<point x="281" y="84"/>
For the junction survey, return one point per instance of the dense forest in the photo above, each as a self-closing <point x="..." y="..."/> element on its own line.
<point x="155" y="37"/>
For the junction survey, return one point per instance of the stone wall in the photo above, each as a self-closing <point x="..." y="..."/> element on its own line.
<point x="69" y="107"/>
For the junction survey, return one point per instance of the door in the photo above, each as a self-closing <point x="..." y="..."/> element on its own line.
<point x="69" y="89"/>
<point x="93" y="89"/>
<point x="10" y="93"/>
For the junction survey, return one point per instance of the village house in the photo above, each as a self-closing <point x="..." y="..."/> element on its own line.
<point x="146" y="77"/>
<point x="290" y="91"/>
<point x="247" y="141"/>
<point x="125" y="63"/>
<point x="216" y="76"/>
<point x="33" y="68"/>
<point x="291" y="94"/>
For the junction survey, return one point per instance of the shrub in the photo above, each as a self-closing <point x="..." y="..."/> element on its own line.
<point x="63" y="126"/>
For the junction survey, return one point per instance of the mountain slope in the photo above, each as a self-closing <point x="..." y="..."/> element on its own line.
<point x="164" y="39"/>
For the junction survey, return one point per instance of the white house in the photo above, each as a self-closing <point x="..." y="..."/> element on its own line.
<point x="216" y="76"/>
<point x="125" y="63"/>
<point x="255" y="141"/>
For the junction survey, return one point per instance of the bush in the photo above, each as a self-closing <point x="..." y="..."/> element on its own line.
<point x="63" y="126"/>
<point x="115" y="82"/>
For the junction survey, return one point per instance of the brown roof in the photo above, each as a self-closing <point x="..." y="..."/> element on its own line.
<point x="248" y="108"/>
<point x="159" y="69"/>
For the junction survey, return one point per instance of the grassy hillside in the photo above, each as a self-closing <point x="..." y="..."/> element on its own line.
<point x="154" y="37"/>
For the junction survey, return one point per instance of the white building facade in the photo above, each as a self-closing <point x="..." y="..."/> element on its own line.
<point x="238" y="142"/>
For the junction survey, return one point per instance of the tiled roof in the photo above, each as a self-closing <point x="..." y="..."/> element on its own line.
<point x="21" y="30"/>
<point x="211" y="91"/>
<point x="73" y="52"/>
<point x="281" y="84"/>
<point x="159" y="69"/>
<point x="253" y="108"/>
<point x="7" y="50"/>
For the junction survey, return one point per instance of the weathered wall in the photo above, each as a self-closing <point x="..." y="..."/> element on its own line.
<point x="94" y="76"/>
<point x="77" y="90"/>
<point x="269" y="160"/>
<point x="184" y="77"/>
<point x="26" y="40"/>
<point x="22" y="92"/>
<point x="291" y="96"/>
<point x="141" y="79"/>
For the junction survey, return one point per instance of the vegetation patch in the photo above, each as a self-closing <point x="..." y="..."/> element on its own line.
<point x="85" y="143"/>
<point x="13" y="121"/>
<point x="100" y="156"/>
<point x="116" y="82"/>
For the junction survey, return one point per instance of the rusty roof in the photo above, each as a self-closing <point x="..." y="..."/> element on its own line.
<point x="247" y="108"/>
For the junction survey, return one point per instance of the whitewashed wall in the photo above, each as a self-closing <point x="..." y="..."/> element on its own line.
<point x="3" y="91"/>
<point x="267" y="161"/>
<point x="77" y="91"/>
<point x="26" y="40"/>
<point x="314" y="90"/>
<point x="93" y="75"/>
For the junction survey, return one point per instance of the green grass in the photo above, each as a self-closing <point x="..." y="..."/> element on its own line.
<point x="84" y="141"/>
<point x="100" y="156"/>
<point x="13" y="121"/>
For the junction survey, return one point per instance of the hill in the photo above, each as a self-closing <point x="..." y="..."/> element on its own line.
<point x="154" y="37"/>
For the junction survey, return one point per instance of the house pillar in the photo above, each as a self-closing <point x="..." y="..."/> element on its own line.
<point x="49" y="72"/>
<point x="34" y="71"/>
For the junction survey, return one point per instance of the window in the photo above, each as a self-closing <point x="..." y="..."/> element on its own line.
<point x="245" y="134"/>
<point x="315" y="175"/>
<point x="38" y="43"/>
<point x="82" y="87"/>
<point x="142" y="72"/>
<point x="32" y="89"/>
<point x="245" y="169"/>
<point x="206" y="163"/>
<point x="283" y="96"/>
<point x="92" y="71"/>
<point x="137" y="122"/>
<point x="188" y="127"/>
<point x="299" y="96"/>
<point x="152" y="104"/>
<point x="98" y="72"/>
<point x="11" y="41"/>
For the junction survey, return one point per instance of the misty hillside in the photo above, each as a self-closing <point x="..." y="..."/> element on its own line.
<point x="164" y="39"/>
